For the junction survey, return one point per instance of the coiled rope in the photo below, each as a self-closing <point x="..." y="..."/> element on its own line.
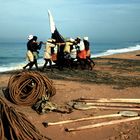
<point x="15" y="126"/>
<point x="27" y="87"/>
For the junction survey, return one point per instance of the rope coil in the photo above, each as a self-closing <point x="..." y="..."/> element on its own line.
<point x="27" y="87"/>
<point x="15" y="126"/>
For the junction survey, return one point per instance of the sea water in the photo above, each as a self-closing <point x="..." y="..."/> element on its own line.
<point x="13" y="55"/>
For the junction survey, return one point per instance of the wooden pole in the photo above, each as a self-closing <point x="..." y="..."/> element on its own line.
<point x="83" y="119"/>
<point x="102" y="124"/>
<point x="114" y="104"/>
<point x="114" y="100"/>
<point x="107" y="107"/>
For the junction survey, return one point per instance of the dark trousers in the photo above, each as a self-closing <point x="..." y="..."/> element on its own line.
<point x="89" y="62"/>
<point x="30" y="64"/>
<point x="46" y="62"/>
<point x="60" y="61"/>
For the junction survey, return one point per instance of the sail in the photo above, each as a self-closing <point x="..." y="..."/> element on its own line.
<point x="55" y="34"/>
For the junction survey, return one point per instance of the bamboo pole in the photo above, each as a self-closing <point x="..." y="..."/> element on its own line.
<point x="102" y="124"/>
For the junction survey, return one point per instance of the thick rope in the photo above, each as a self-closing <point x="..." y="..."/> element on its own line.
<point x="15" y="126"/>
<point x="27" y="87"/>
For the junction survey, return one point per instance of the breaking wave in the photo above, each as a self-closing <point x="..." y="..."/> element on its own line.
<point x="116" y="51"/>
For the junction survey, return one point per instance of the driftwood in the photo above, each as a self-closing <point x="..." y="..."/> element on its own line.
<point x="113" y="100"/>
<point x="102" y="124"/>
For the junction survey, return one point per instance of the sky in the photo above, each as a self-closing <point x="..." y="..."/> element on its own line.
<point x="100" y="20"/>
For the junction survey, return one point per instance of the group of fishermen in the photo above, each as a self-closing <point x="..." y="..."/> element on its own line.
<point x="71" y="53"/>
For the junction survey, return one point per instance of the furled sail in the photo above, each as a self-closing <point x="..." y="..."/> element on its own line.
<point x="55" y="34"/>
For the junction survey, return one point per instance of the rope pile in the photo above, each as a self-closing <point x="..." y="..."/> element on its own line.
<point x="27" y="87"/>
<point x="15" y="126"/>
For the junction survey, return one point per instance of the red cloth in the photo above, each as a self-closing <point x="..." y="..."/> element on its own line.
<point x="54" y="57"/>
<point x="82" y="54"/>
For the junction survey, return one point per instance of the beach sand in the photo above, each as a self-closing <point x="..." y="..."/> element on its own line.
<point x="115" y="76"/>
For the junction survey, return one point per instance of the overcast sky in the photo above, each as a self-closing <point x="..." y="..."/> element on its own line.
<point x="101" y="20"/>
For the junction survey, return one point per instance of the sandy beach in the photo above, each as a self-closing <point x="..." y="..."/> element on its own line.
<point x="115" y="76"/>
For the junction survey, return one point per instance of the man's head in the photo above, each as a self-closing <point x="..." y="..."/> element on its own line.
<point x="86" y="38"/>
<point x="30" y="37"/>
<point x="35" y="38"/>
<point x="78" y="39"/>
<point x="51" y="40"/>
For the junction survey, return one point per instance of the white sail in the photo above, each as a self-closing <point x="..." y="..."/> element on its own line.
<point x="55" y="34"/>
<point x="52" y="24"/>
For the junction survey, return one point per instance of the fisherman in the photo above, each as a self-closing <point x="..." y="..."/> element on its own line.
<point x="32" y="47"/>
<point x="68" y="45"/>
<point x="60" y="56"/>
<point x="89" y="61"/>
<point x="73" y="51"/>
<point x="36" y="47"/>
<point x="54" y="51"/>
<point x="81" y="53"/>
<point x="73" y="55"/>
<point x="29" y="53"/>
<point x="67" y="51"/>
<point x="47" y="53"/>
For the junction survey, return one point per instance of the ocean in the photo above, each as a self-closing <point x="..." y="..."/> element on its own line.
<point x="13" y="55"/>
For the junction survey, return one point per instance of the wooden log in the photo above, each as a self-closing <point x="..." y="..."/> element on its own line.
<point x="102" y="124"/>
<point x="81" y="119"/>
<point x="114" y="100"/>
